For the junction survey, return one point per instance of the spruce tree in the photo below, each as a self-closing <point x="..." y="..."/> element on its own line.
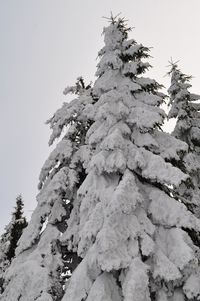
<point x="127" y="227"/>
<point x="106" y="193"/>
<point x="184" y="107"/>
<point x="43" y="259"/>
<point x="9" y="239"/>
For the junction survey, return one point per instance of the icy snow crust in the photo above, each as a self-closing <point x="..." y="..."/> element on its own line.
<point x="125" y="225"/>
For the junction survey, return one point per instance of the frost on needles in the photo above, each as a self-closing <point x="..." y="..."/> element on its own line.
<point x="107" y="194"/>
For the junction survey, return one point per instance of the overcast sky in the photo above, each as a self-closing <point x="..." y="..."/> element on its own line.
<point x="46" y="44"/>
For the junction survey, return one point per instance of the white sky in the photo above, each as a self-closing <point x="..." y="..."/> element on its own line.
<point x="46" y="44"/>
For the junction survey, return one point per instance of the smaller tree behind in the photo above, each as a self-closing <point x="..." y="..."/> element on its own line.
<point x="185" y="106"/>
<point x="9" y="239"/>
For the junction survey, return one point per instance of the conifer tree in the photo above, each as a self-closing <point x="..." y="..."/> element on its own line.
<point x="127" y="227"/>
<point x="184" y="107"/>
<point x="106" y="193"/>
<point x="9" y="239"/>
<point x="42" y="258"/>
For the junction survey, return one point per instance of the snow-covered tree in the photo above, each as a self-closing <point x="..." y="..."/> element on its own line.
<point x="184" y="107"/>
<point x="9" y="239"/>
<point x="42" y="259"/>
<point x="106" y="194"/>
<point x="125" y="224"/>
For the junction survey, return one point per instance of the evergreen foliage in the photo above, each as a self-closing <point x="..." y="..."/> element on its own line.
<point x="185" y="107"/>
<point x="63" y="172"/>
<point x="126" y="225"/>
<point x="107" y="194"/>
<point x="9" y="239"/>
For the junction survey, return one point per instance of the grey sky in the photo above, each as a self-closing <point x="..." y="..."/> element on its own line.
<point x="45" y="45"/>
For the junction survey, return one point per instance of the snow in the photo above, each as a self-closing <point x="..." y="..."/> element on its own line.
<point x="107" y="181"/>
<point x="192" y="162"/>
<point x="143" y="139"/>
<point x="130" y="68"/>
<point x="147" y="245"/>
<point x="145" y="117"/>
<point x="169" y="213"/>
<point x="109" y="60"/>
<point x="111" y="80"/>
<point x="174" y="244"/>
<point x="131" y="49"/>
<point x="81" y="281"/>
<point x="38" y="263"/>
<point x="136" y="283"/>
<point x="192" y="287"/>
<point x="30" y="271"/>
<point x="158" y="170"/>
<point x="110" y="161"/>
<point x="187" y="129"/>
<point x="62" y="152"/>
<point x="164" y="268"/>
<point x="68" y="113"/>
<point x="126" y="196"/>
<point x="99" y="130"/>
<point x="176" y="296"/>
<point x="153" y="167"/>
<point x="119" y="110"/>
<point x="104" y="289"/>
<point x="169" y="146"/>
